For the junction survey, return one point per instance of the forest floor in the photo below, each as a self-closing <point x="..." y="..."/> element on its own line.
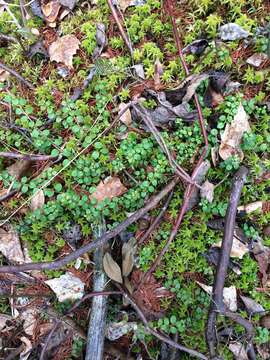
<point x="122" y="126"/>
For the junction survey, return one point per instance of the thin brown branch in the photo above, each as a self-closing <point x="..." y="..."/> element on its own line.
<point x="17" y="75"/>
<point x="48" y="339"/>
<point x="217" y="304"/>
<point x="8" y="195"/>
<point x="151" y="126"/>
<point x="91" y="295"/>
<point x="190" y="188"/>
<point x="157" y="220"/>
<point x="158" y="335"/>
<point x="120" y="27"/>
<point x="30" y="157"/>
<point x="57" y="264"/>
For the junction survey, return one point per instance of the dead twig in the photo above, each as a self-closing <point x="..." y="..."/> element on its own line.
<point x="151" y="126"/>
<point x="217" y="305"/>
<point x="97" y="321"/>
<point x="157" y="220"/>
<point x="8" y="195"/>
<point x="190" y="188"/>
<point x="120" y="27"/>
<point x="18" y="76"/>
<point x="91" y="295"/>
<point x="30" y="157"/>
<point x="48" y="339"/>
<point x="158" y="335"/>
<point x="57" y="264"/>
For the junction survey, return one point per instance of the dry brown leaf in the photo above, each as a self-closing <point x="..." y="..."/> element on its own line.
<point x="29" y="316"/>
<point x="252" y="306"/>
<point x="207" y="191"/>
<point x="67" y="287"/>
<point x="158" y="73"/>
<point x="232" y="136"/>
<point x="63" y="49"/>
<point x="248" y="208"/>
<point x="109" y="188"/>
<point x="3" y="319"/>
<point x="257" y="59"/>
<point x="239" y="249"/>
<point x="4" y="75"/>
<point x="37" y="201"/>
<point x="238" y="351"/>
<point x="51" y="10"/>
<point x="18" y="168"/>
<point x="10" y="245"/>
<point x="24" y="355"/>
<point x="111" y="268"/>
<point x="128" y="251"/>
<point x="229" y="295"/>
<point x="126" y="117"/>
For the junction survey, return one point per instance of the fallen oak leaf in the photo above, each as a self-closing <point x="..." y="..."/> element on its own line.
<point x="63" y="49"/>
<point x="109" y="188"/>
<point x="111" y="268"/>
<point x="233" y="133"/>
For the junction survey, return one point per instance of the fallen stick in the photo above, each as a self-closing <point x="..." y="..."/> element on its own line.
<point x="102" y="240"/>
<point x="151" y="126"/>
<point x="190" y="188"/>
<point x="18" y="76"/>
<point x="8" y="195"/>
<point x="30" y="157"/>
<point x="43" y="354"/>
<point x="157" y="220"/>
<point x="217" y="305"/>
<point x="158" y="335"/>
<point x="120" y="27"/>
<point x="97" y="322"/>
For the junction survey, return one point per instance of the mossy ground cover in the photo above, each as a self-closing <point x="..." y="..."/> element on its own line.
<point x="54" y="125"/>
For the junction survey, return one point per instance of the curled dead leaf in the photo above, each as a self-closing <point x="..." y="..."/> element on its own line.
<point x="232" y="136"/>
<point x="4" y="75"/>
<point x="51" y="10"/>
<point x="63" y="49"/>
<point x="109" y="188"/>
<point x="128" y="251"/>
<point x="111" y="268"/>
